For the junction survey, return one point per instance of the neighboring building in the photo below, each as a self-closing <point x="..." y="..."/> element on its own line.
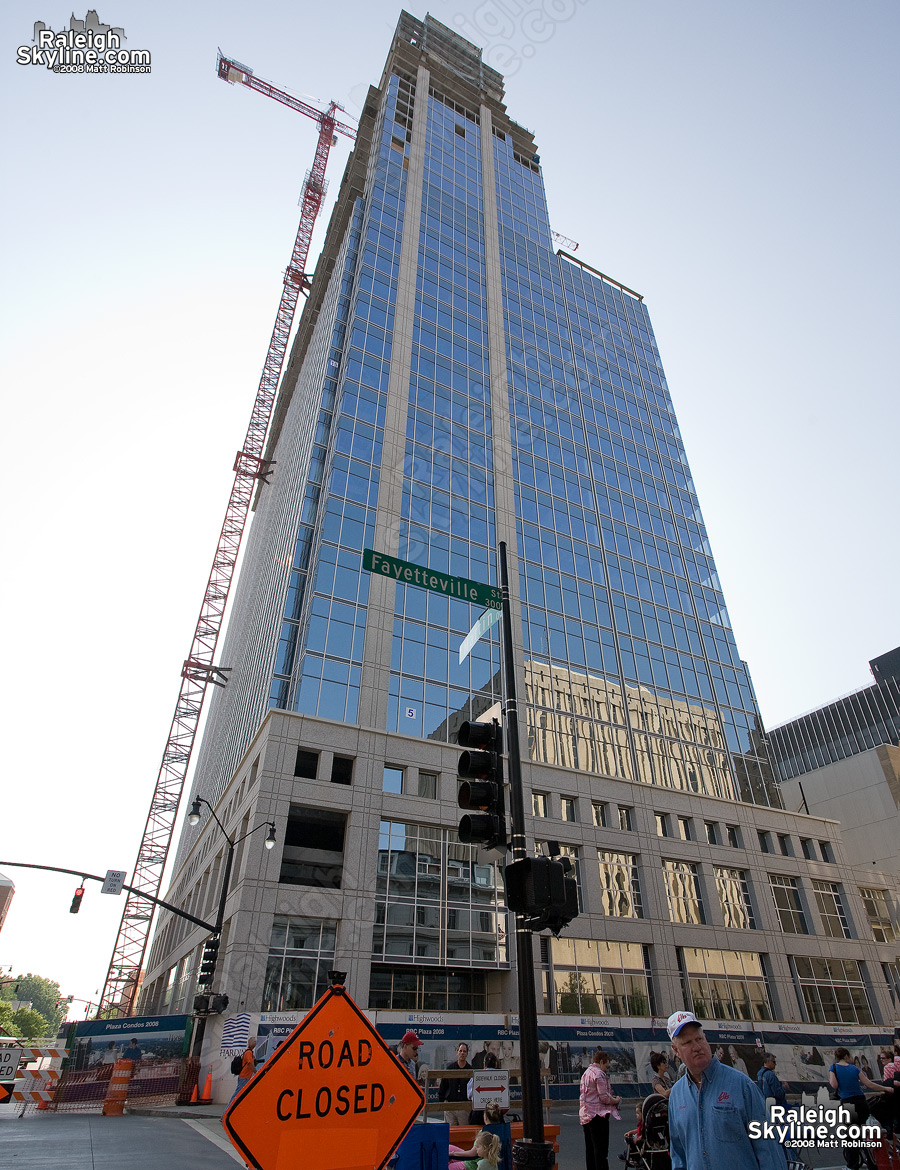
<point x="7" y="889"/>
<point x="843" y="761"/>
<point x="455" y="383"/>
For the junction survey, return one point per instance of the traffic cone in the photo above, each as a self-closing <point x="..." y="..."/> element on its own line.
<point x="194" y="1096"/>
<point x="206" y="1099"/>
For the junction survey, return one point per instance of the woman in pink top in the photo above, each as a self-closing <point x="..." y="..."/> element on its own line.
<point x="595" y="1107"/>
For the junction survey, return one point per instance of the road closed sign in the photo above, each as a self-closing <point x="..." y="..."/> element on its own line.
<point x="331" y="1096"/>
<point x="490" y="1084"/>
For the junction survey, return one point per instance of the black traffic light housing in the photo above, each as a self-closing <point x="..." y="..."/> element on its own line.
<point x="76" y="900"/>
<point x="480" y="771"/>
<point x="201" y="1005"/>
<point x="218" y="1004"/>
<point x="540" y="889"/>
<point x="208" y="962"/>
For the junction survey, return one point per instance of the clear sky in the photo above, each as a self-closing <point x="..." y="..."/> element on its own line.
<point x="736" y="163"/>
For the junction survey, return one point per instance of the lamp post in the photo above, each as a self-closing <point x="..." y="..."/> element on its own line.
<point x="211" y="948"/>
<point x="194" y="819"/>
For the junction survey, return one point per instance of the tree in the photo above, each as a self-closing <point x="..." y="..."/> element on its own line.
<point x="45" y="998"/>
<point x="575" y="998"/>
<point x="29" y="1023"/>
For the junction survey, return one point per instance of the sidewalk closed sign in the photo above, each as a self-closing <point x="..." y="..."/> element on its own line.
<point x="490" y="1084"/>
<point x="333" y="1094"/>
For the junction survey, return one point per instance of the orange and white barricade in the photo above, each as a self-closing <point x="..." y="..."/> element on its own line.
<point x="37" y="1086"/>
<point x="117" y="1093"/>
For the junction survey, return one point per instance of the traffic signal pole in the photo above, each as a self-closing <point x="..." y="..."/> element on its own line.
<point x="532" y="1151"/>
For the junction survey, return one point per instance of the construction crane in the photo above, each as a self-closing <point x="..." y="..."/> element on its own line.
<point x="564" y="241"/>
<point x="123" y="977"/>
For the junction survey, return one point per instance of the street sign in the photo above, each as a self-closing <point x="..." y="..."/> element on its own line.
<point x="409" y="574"/>
<point x="481" y="627"/>
<point x="113" y="882"/>
<point x="332" y="1095"/>
<point x="9" y="1062"/>
<point x="490" y="1084"/>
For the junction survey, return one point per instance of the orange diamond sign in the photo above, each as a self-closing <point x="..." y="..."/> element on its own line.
<point x="332" y="1097"/>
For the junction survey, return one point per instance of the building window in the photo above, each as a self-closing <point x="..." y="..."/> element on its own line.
<point x="568" y="809"/>
<point x="626" y="820"/>
<point x="712" y="832"/>
<point x="301" y="953"/>
<point x="596" y="978"/>
<point x="683" y="891"/>
<point x="831" y="909"/>
<point x="734" y="836"/>
<point x="342" y="770"/>
<point x="725" y="985"/>
<point x="784" y="844"/>
<point x="734" y="898"/>
<point x="786" y="894"/>
<point x="621" y="890"/>
<point x="891" y="973"/>
<point x="807" y="846"/>
<point x="662" y="825"/>
<point x="539" y="801"/>
<point x="306" y="764"/>
<point x="435" y="899"/>
<point x="765" y="842"/>
<point x="428" y="785"/>
<point x="599" y="813"/>
<point x="571" y="851"/>
<point x="825" y="850"/>
<point x="686" y="828"/>
<point x="832" y="990"/>
<point x="875" y="902"/>
<point x="313" y="848"/>
<point x="428" y="989"/>
<point x="392" y="780"/>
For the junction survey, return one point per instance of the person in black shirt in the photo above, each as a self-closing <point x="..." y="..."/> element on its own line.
<point x="452" y="1090"/>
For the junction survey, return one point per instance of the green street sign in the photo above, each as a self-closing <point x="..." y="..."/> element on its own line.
<point x="409" y="574"/>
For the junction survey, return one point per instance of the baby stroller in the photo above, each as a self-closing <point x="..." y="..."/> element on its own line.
<point x="650" y="1151"/>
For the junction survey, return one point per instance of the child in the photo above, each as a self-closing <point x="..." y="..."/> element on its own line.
<point x="487" y="1151"/>
<point x="634" y="1135"/>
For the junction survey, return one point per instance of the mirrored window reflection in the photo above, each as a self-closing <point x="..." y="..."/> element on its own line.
<point x="436" y="899"/>
<point x="620" y="885"/>
<point x="734" y="898"/>
<point x="596" y="978"/>
<point x="301" y="952"/>
<point x="725" y="985"/>
<point x="683" y="892"/>
<point x="832" y="990"/>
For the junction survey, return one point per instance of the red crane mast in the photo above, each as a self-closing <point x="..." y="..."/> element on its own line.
<point x="123" y="977"/>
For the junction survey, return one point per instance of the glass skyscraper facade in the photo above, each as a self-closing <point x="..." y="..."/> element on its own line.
<point x="456" y="382"/>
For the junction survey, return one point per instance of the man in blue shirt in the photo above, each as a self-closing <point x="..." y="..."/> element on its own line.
<point x="710" y="1108"/>
<point x="767" y="1079"/>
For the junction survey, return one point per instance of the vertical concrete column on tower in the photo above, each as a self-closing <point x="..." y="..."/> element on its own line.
<point x="380" y="618"/>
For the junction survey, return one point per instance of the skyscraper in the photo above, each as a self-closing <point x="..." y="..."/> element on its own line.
<point x="455" y="383"/>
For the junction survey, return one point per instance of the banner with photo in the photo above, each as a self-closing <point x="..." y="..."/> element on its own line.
<point x="155" y="1044"/>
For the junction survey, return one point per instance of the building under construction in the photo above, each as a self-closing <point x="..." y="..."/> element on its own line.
<point x="456" y="382"/>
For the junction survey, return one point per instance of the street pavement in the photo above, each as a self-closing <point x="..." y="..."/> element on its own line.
<point x="186" y="1139"/>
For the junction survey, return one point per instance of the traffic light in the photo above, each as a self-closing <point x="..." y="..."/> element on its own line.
<point x="208" y="962"/>
<point x="540" y="889"/>
<point x="480" y="771"/>
<point x="201" y="1005"/>
<point x="76" y="900"/>
<point x="218" y="1004"/>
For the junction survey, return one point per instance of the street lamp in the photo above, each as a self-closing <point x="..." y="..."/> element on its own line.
<point x="193" y="819"/>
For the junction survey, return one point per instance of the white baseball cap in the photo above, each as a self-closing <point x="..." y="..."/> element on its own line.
<point x="677" y="1020"/>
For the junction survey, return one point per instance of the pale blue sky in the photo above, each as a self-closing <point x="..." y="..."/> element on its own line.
<point x="735" y="162"/>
